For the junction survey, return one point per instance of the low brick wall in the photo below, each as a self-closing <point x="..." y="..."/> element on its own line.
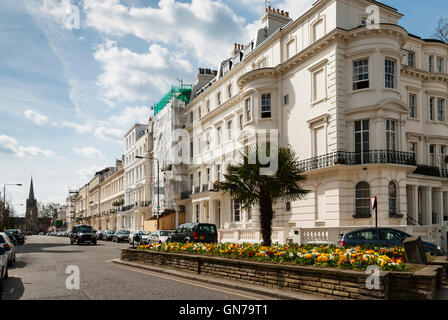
<point x="327" y="282"/>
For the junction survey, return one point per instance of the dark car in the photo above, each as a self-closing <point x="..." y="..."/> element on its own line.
<point x="18" y="236"/>
<point x="108" y="235"/>
<point x="194" y="232"/>
<point x="383" y="237"/>
<point x="121" y="235"/>
<point x="82" y="234"/>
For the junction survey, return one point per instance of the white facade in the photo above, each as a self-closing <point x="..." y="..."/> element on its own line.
<point x="342" y="93"/>
<point x="135" y="196"/>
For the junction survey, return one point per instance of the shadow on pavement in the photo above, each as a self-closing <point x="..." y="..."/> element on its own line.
<point x="42" y="247"/>
<point x="13" y="289"/>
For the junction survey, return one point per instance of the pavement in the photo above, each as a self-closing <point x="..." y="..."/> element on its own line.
<point x="45" y="266"/>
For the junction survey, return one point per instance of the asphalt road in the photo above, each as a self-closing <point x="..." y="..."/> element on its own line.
<point x="40" y="273"/>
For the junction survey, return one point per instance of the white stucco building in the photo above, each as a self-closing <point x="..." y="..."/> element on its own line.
<point x="361" y="101"/>
<point x="136" y="199"/>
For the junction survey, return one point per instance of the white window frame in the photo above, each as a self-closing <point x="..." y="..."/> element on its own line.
<point x="357" y="75"/>
<point x="235" y="209"/>
<point x="248" y="109"/>
<point x="441" y="112"/>
<point x="391" y="135"/>
<point x="393" y="74"/>
<point x="270" y="105"/>
<point x="411" y="65"/>
<point x="413" y="114"/>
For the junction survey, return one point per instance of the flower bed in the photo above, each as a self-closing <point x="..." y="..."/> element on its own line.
<point x="357" y="258"/>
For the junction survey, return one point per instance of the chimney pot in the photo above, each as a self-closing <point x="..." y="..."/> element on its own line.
<point x="236" y="45"/>
<point x="282" y="12"/>
<point x="287" y="14"/>
<point x="269" y="8"/>
<point x="278" y="11"/>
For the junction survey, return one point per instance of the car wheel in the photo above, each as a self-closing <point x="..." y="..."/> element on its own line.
<point x="94" y="243"/>
<point x="78" y="242"/>
<point x="6" y="274"/>
<point x="186" y="240"/>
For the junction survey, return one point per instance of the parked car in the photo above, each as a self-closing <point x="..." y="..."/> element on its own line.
<point x="120" y="235"/>
<point x="383" y="237"/>
<point x="41" y="233"/>
<point x="3" y="269"/>
<point x="132" y="234"/>
<point x="18" y="235"/>
<point x="82" y="234"/>
<point x="99" y="234"/>
<point x="144" y="238"/>
<point x="160" y="236"/>
<point x="194" y="232"/>
<point x="9" y="247"/>
<point x="108" y="235"/>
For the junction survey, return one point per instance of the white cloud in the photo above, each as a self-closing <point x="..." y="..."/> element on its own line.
<point x="130" y="76"/>
<point x="111" y="134"/>
<point x="89" y="152"/>
<point x="80" y="128"/>
<point x="130" y="116"/>
<point x="36" y="117"/>
<point x="9" y="145"/>
<point x="88" y="172"/>
<point x="207" y="28"/>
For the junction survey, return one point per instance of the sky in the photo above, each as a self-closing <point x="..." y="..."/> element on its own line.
<point x="69" y="92"/>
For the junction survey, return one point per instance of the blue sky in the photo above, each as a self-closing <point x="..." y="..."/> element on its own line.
<point x="68" y="95"/>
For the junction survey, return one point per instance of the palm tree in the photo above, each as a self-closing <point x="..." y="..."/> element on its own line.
<point x="247" y="183"/>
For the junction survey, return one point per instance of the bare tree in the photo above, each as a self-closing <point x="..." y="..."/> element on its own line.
<point x="441" y="31"/>
<point x="48" y="210"/>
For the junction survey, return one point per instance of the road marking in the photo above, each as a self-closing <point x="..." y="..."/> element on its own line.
<point x="187" y="282"/>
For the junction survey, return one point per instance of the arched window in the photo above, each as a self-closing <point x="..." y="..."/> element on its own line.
<point x="392" y="198"/>
<point x="362" y="199"/>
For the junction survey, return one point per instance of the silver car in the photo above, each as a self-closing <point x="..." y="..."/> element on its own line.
<point x="160" y="236"/>
<point x="3" y="268"/>
<point x="9" y="247"/>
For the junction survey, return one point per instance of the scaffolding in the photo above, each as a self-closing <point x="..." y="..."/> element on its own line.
<point x="182" y="92"/>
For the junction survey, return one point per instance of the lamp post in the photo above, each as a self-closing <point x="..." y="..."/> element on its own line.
<point x="4" y="199"/>
<point x="158" y="189"/>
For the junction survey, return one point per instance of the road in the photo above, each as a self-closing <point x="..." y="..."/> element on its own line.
<point x="40" y="273"/>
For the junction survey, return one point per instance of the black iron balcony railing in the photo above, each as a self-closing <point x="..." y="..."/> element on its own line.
<point x="129" y="207"/>
<point x="185" y="194"/>
<point x="205" y="187"/>
<point x="356" y="158"/>
<point x="197" y="189"/>
<point x="144" y="204"/>
<point x="431" y="171"/>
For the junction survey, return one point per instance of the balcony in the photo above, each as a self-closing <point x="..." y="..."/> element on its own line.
<point x="185" y="194"/>
<point x="431" y="171"/>
<point x="357" y="158"/>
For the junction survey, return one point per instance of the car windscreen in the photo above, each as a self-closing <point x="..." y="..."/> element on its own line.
<point x="85" y="229"/>
<point x="123" y="232"/>
<point x="164" y="233"/>
<point x="2" y="240"/>
<point x="207" y="228"/>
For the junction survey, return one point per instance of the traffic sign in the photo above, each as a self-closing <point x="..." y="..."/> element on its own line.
<point x="373" y="202"/>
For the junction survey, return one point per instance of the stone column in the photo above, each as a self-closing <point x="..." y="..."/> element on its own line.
<point x="201" y="211"/>
<point x="211" y="211"/>
<point x="439" y="201"/>
<point x="428" y="207"/>
<point x="414" y="202"/>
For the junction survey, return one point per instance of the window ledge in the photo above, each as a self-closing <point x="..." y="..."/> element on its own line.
<point x="365" y="216"/>
<point x="313" y="103"/>
<point x="396" y="216"/>
<point x="414" y="119"/>
<point x="368" y="90"/>
<point x="385" y="90"/>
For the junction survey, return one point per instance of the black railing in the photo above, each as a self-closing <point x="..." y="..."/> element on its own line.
<point x="205" y="187"/>
<point x="185" y="194"/>
<point x="145" y="203"/>
<point x="427" y="170"/>
<point x="413" y="222"/>
<point x="197" y="189"/>
<point x="126" y="208"/>
<point x="356" y="158"/>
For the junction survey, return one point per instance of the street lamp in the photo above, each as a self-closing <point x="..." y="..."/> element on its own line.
<point x="4" y="199"/>
<point x="158" y="189"/>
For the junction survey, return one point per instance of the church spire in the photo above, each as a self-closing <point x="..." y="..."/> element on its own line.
<point x="31" y="195"/>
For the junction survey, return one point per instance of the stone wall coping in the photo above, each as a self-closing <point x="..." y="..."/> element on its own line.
<point x="275" y="266"/>
<point x="428" y="271"/>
